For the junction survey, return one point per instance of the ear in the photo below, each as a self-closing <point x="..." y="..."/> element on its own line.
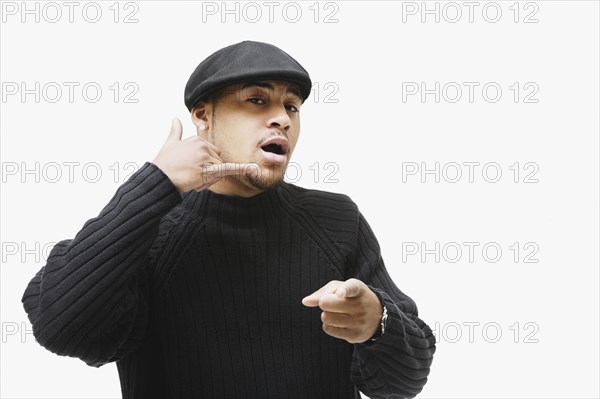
<point x="201" y="114"/>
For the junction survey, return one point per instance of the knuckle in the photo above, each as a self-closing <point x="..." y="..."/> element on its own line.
<point x="322" y="301"/>
<point x="203" y="144"/>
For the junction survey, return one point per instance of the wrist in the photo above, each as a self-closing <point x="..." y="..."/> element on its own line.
<point x="168" y="176"/>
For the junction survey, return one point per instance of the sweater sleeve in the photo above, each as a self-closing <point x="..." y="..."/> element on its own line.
<point x="90" y="299"/>
<point x="397" y="364"/>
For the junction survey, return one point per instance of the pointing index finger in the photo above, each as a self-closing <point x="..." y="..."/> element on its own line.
<point x="230" y="168"/>
<point x="313" y="299"/>
<point x="333" y="303"/>
<point x="351" y="288"/>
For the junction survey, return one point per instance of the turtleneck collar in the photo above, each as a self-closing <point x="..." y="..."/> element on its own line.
<point x="221" y="209"/>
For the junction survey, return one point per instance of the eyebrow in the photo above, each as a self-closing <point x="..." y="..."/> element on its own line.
<point x="259" y="83"/>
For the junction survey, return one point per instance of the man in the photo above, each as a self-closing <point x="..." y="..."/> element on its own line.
<point x="207" y="275"/>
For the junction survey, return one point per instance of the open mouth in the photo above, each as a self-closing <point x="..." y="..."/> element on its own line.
<point x="274" y="148"/>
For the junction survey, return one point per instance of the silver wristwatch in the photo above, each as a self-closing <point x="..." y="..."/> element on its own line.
<point x="383" y="321"/>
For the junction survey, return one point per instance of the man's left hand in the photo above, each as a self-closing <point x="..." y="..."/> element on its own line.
<point x="351" y="311"/>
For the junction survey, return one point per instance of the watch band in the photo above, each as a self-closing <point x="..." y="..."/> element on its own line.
<point x="383" y="322"/>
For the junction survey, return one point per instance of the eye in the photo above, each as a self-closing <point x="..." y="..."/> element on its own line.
<point x="256" y="100"/>
<point x="292" y="108"/>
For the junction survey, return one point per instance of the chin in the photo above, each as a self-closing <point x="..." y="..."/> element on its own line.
<point x="270" y="177"/>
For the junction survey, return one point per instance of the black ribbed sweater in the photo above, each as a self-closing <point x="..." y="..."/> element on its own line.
<point x="199" y="296"/>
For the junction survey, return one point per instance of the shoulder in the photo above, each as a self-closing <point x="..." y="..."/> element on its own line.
<point x="319" y="202"/>
<point x="334" y="215"/>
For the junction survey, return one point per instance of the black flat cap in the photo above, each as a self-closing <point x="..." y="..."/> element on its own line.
<point x="241" y="62"/>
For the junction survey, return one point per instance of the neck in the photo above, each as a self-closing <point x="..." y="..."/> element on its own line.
<point x="224" y="210"/>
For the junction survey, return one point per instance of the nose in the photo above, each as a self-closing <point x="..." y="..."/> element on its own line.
<point x="279" y="118"/>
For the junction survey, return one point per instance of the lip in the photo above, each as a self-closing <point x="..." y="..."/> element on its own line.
<point x="272" y="157"/>
<point x="279" y="140"/>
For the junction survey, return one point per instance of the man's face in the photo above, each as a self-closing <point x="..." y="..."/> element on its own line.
<point x="255" y="122"/>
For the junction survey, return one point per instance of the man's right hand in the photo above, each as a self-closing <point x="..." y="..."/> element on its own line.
<point x="194" y="163"/>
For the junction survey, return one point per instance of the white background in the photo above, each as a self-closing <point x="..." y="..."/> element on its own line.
<point x="371" y="135"/>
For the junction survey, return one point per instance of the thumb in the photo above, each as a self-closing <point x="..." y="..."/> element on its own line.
<point x="176" y="130"/>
